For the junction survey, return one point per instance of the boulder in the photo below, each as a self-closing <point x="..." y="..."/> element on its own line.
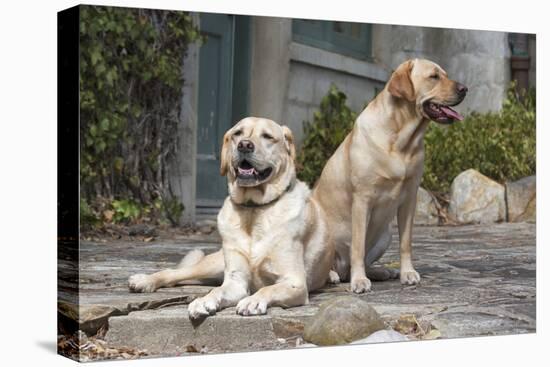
<point x="382" y="336"/>
<point x="426" y="208"/>
<point x="342" y="320"/>
<point x="207" y="226"/>
<point x="476" y="198"/>
<point x="521" y="198"/>
<point x="142" y="230"/>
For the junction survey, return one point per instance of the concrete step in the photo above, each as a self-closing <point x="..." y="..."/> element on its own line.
<point x="170" y="332"/>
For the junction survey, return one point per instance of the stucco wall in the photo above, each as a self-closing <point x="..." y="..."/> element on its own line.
<point x="269" y="66"/>
<point x="310" y="83"/>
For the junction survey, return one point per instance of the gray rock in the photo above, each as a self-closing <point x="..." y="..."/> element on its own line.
<point x="207" y="226"/>
<point x="426" y="208"/>
<point x="521" y="200"/>
<point x="476" y="198"/>
<point x="382" y="336"/>
<point x="142" y="230"/>
<point x="342" y="320"/>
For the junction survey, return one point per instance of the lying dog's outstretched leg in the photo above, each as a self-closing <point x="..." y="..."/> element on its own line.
<point x="234" y="288"/>
<point x="288" y="293"/>
<point x="194" y="266"/>
<point x="192" y="258"/>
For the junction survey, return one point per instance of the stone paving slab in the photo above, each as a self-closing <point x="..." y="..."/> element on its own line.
<point x="476" y="280"/>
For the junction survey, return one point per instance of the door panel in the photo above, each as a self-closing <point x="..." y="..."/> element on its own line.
<point x="215" y="100"/>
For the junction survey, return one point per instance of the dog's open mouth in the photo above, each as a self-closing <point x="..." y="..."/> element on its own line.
<point x="248" y="175"/>
<point x="441" y="113"/>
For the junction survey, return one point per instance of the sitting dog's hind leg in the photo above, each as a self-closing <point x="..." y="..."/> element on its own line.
<point x="333" y="277"/>
<point x="380" y="273"/>
<point x="195" y="266"/>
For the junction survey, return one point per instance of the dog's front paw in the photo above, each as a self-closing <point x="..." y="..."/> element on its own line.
<point x="252" y="305"/>
<point x="141" y="283"/>
<point x="360" y="285"/>
<point x="409" y="277"/>
<point x="202" y="307"/>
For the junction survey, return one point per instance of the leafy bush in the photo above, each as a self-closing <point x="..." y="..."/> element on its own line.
<point x="125" y="211"/>
<point x="500" y="145"/>
<point x="131" y="81"/>
<point x="87" y="216"/>
<point x="128" y="211"/>
<point x="330" y="126"/>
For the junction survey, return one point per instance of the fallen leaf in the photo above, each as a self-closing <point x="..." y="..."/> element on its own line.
<point x="433" y="334"/>
<point x="108" y="215"/>
<point x="393" y="265"/>
<point x="407" y="324"/>
<point x="191" y="349"/>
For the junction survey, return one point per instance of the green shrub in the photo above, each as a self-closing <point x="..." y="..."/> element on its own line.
<point x="330" y="126"/>
<point x="131" y="80"/>
<point x="87" y="216"/>
<point x="125" y="211"/>
<point x="500" y="145"/>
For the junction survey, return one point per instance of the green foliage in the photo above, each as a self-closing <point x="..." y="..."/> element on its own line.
<point x="330" y="126"/>
<point x="500" y="145"/>
<point x="172" y="210"/>
<point x="125" y="211"/>
<point x="87" y="216"/>
<point x="131" y="80"/>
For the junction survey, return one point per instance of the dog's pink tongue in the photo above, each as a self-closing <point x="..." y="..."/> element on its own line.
<point x="452" y="113"/>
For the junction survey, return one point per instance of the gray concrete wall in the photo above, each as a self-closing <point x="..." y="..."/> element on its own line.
<point x="310" y="83"/>
<point x="532" y="46"/>
<point x="270" y="66"/>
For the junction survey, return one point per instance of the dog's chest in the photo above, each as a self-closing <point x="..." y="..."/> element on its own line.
<point x="270" y="238"/>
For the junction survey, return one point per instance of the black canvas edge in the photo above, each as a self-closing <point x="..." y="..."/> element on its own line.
<point x="68" y="173"/>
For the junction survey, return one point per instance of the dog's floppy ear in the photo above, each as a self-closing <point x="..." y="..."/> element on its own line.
<point x="400" y="84"/>
<point x="289" y="142"/>
<point x="225" y="155"/>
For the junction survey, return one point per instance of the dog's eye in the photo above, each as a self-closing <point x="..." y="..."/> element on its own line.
<point x="267" y="136"/>
<point x="238" y="133"/>
<point x="434" y="76"/>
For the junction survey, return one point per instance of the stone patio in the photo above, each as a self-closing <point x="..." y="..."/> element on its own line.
<point x="476" y="280"/>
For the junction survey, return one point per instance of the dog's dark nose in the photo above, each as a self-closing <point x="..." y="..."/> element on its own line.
<point x="461" y="89"/>
<point x="245" y="146"/>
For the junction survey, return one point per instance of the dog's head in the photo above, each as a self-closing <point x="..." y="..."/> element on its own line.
<point x="426" y="84"/>
<point x="257" y="157"/>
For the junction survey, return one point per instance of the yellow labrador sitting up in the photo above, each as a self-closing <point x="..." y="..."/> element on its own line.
<point x="375" y="173"/>
<point x="275" y="243"/>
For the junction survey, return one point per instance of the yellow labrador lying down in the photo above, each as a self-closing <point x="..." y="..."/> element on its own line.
<point x="375" y="173"/>
<point x="274" y="238"/>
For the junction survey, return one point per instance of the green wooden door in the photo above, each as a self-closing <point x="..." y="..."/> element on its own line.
<point x="223" y="75"/>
